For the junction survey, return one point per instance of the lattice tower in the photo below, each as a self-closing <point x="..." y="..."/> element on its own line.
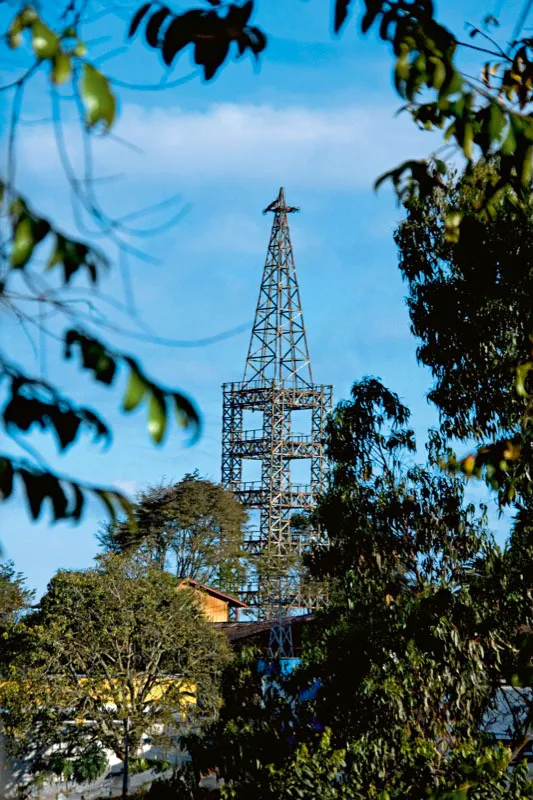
<point x="278" y="383"/>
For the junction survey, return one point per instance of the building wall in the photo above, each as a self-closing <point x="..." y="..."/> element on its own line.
<point x="216" y="610"/>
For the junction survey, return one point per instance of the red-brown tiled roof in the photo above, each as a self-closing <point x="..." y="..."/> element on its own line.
<point x="231" y="601"/>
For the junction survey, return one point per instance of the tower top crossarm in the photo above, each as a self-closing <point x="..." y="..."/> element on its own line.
<point x="278" y="351"/>
<point x="279" y="206"/>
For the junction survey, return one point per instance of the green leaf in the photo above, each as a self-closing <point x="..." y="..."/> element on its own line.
<point x="97" y="96"/>
<point x="453" y="85"/>
<point x="468" y="140"/>
<point x="459" y="794"/>
<point x="497" y="120"/>
<point x="14" y="34"/>
<point x="135" y="390"/>
<point x="61" y="68"/>
<point x="187" y="415"/>
<point x="57" y="254"/>
<point x="439" y="74"/>
<point x="22" y="21"/>
<point x="509" y="143"/>
<point x="45" y="42"/>
<point x="157" y="417"/>
<point x="522" y="372"/>
<point x="23" y="244"/>
<point x="527" y="166"/>
<point x="79" y="49"/>
<point x="401" y="73"/>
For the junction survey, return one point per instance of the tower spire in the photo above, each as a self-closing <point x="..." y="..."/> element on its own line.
<point x="278" y="347"/>
<point x="277" y="385"/>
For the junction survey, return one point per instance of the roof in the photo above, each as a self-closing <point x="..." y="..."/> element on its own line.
<point x="229" y="599"/>
<point x="242" y="630"/>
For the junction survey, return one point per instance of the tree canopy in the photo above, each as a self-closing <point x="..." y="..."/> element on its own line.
<point x="402" y="673"/>
<point x="15" y="598"/>
<point x="194" y="528"/>
<point x="110" y="653"/>
<point x="470" y="311"/>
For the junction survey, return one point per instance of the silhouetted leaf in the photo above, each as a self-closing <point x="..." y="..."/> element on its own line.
<point x="239" y="15"/>
<point x="187" y="414"/>
<point x="35" y="490"/>
<point x="137" y="19"/>
<point x="77" y="508"/>
<point x="341" y="12"/>
<point x="373" y="9"/>
<point x="211" y="55"/>
<point x="154" y="25"/>
<point x="6" y="478"/>
<point x="95" y="356"/>
<point x="35" y="402"/>
<point x="179" y="34"/>
<point x="75" y="255"/>
<point x="258" y="40"/>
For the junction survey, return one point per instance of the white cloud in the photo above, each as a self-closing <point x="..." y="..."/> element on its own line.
<point x="127" y="486"/>
<point x="343" y="147"/>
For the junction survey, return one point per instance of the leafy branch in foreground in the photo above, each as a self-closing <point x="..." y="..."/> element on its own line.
<point x="67" y="497"/>
<point x="32" y="403"/>
<point x="208" y="31"/>
<point x="485" y="117"/>
<point x="103" y="363"/>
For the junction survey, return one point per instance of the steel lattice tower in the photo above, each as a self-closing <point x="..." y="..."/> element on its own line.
<point x="277" y="382"/>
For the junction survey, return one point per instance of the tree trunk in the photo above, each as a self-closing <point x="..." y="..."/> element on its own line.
<point x="126" y="762"/>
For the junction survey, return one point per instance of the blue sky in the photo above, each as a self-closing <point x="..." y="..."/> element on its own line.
<point x="316" y="116"/>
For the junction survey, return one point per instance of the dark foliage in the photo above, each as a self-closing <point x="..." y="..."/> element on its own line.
<point x="210" y="32"/>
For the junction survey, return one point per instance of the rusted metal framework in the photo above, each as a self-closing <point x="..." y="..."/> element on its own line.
<point x="278" y="383"/>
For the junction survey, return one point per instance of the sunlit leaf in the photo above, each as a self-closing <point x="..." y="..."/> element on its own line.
<point x="135" y="390"/>
<point x="61" y="68"/>
<point x="522" y="372"/>
<point x="79" y="49"/>
<point x="22" y="21"/>
<point x="23" y="243"/>
<point x="157" y="417"/>
<point x="97" y="96"/>
<point x="45" y="42"/>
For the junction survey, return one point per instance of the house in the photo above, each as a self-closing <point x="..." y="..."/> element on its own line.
<point x="217" y="606"/>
